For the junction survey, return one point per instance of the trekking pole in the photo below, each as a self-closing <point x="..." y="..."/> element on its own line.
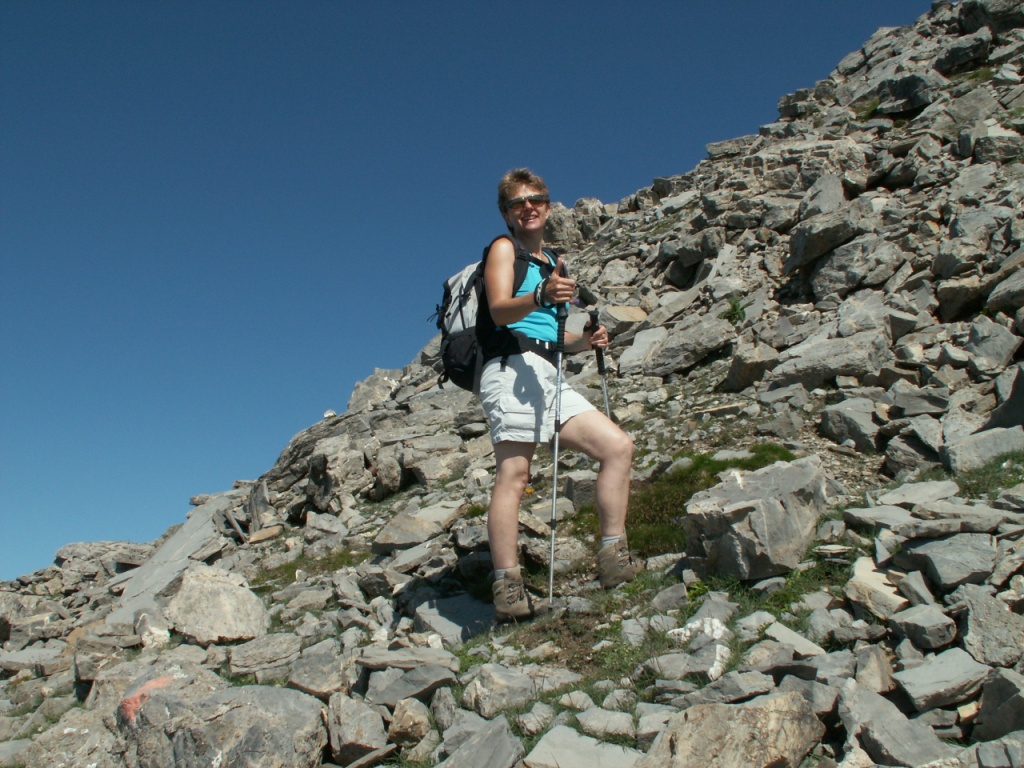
<point x="561" y="313"/>
<point x="600" y="365"/>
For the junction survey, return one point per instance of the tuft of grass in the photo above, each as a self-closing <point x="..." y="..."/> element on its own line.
<point x="866" y="110"/>
<point x="1002" y="472"/>
<point x="475" y="510"/>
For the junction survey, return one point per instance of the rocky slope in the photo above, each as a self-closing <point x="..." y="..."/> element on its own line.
<point x="846" y="283"/>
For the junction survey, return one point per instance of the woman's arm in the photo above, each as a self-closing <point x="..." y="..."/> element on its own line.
<point x="499" y="277"/>
<point x="581" y="342"/>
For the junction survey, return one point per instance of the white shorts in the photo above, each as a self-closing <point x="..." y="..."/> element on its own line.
<point x="518" y="397"/>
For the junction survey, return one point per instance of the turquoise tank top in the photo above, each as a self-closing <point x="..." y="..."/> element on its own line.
<point x="541" y="324"/>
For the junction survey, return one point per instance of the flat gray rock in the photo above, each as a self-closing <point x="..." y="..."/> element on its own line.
<point x="885" y="733"/>
<point x="948" y="678"/>
<point x="563" y="747"/>
<point x="456" y="619"/>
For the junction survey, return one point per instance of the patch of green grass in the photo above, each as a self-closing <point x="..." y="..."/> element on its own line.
<point x="799" y="583"/>
<point x="1002" y="472"/>
<point x="980" y="75"/>
<point x="285" y="574"/>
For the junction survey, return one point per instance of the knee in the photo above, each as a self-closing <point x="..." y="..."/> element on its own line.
<point x="619" y="448"/>
<point x="512" y="480"/>
<point x="624" y="447"/>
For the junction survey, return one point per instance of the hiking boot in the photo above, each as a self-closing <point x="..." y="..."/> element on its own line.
<point x="511" y="602"/>
<point x="616" y="564"/>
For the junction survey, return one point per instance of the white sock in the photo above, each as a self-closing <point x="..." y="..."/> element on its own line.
<point x="606" y="540"/>
<point x="499" y="573"/>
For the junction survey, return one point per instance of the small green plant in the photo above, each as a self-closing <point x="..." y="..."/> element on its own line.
<point x="736" y="312"/>
<point x="866" y="110"/>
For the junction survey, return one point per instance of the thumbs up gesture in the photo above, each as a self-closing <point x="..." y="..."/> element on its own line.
<point x="560" y="287"/>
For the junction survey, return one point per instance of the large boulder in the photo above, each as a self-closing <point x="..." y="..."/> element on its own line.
<point x="216" y="606"/>
<point x="758" y="524"/>
<point x="773" y="731"/>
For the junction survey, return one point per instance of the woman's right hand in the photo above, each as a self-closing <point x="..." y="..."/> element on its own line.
<point x="559" y="289"/>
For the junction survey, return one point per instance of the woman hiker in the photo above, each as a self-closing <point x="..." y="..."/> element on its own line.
<point x="518" y="395"/>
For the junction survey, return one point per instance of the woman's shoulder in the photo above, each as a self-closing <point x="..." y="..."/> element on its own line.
<point x="502" y="247"/>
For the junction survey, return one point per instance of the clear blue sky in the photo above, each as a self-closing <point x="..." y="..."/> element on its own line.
<point x="216" y="217"/>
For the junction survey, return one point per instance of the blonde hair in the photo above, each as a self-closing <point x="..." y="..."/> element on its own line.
<point x="518" y="177"/>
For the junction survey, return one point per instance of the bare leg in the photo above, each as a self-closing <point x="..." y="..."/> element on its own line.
<point x="513" y="473"/>
<point x="600" y="438"/>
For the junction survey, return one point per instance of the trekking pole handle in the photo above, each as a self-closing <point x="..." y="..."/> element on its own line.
<point x="597" y="350"/>
<point x="561" y="313"/>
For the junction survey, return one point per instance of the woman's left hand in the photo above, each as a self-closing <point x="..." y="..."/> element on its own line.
<point x="599" y="337"/>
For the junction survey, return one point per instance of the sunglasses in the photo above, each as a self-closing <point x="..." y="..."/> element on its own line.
<point x="517" y="203"/>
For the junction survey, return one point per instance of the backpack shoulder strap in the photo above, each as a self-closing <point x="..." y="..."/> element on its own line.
<point x="523" y="260"/>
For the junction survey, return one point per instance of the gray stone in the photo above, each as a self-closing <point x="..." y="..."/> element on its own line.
<point x="991" y="346"/>
<point x="948" y="678"/>
<point x="731" y="688"/>
<point x="267" y="652"/>
<point x="817" y="236"/>
<point x="410" y="723"/>
<point x="822" y="698"/>
<point x="1001" y="709"/>
<point x="852" y="419"/>
<point x="80" y="737"/>
<point x="911" y="494"/>
<point x="407" y="529"/>
<point x="494" y="745"/>
<point x="605" y="725"/>
<point x="818" y="361"/>
<point x="991" y="632"/>
<point x="418" y="683"/>
<point x="644" y="343"/>
<point x="870" y="589"/>
<point x="801" y="645"/>
<point x="966" y="558"/>
<point x="406" y="658"/>
<point x="865" y="261"/>
<point x="748" y="365"/>
<point x="913" y="587"/>
<point x="925" y="626"/>
<point x="319" y="674"/>
<point x="497" y="688"/>
<point x="882" y="516"/>
<point x="688" y="344"/>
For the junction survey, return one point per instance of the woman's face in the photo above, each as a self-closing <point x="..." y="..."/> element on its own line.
<point x="525" y="215"/>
